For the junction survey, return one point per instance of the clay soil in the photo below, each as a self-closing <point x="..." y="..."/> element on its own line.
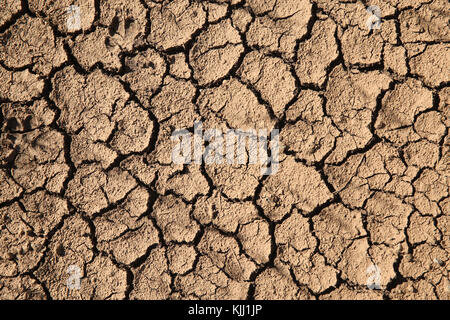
<point x="86" y="177"/>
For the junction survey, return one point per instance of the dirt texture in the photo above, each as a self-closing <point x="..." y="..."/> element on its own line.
<point x="86" y="171"/>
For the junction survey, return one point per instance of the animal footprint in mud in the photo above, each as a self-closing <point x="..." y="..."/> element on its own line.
<point x="10" y="141"/>
<point x="18" y="136"/>
<point x="122" y="31"/>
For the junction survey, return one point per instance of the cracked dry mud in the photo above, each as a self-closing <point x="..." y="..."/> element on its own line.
<point x="86" y="176"/>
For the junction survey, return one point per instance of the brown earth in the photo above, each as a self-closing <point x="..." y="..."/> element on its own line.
<point x="86" y="176"/>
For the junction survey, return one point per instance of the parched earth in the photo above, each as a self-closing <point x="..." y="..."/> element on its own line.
<point x="87" y="178"/>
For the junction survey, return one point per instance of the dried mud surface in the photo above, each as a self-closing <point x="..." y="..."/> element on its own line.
<point x="86" y="176"/>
